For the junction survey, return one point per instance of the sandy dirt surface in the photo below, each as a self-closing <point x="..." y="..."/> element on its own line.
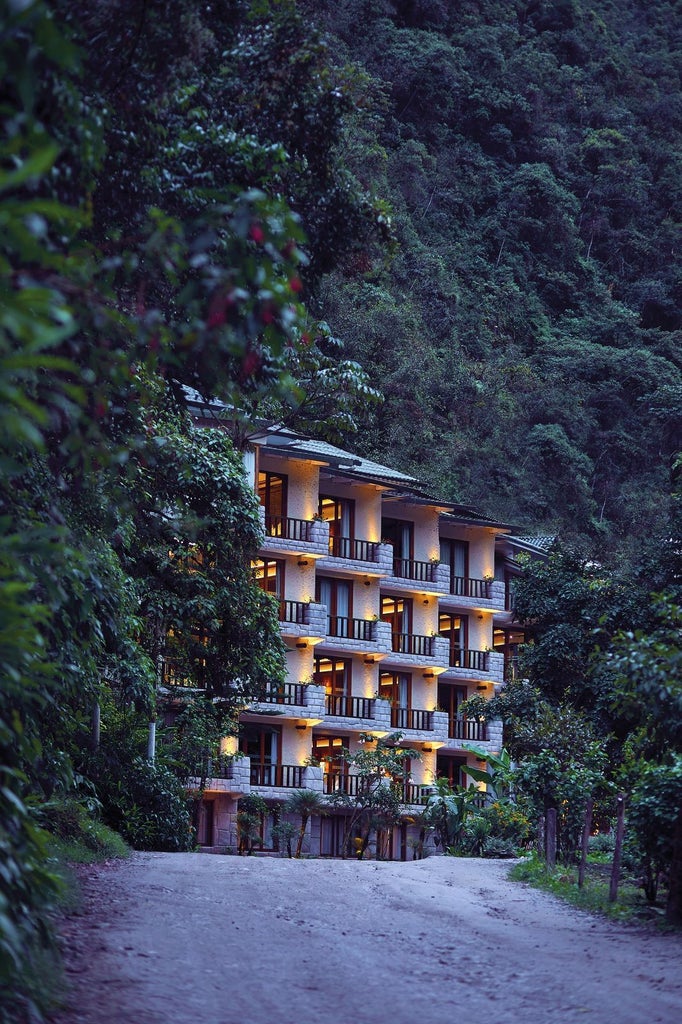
<point x="179" y="938"/>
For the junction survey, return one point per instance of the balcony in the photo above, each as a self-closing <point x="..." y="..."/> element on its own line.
<point x="412" y="718"/>
<point x="351" y="554"/>
<point x="289" y="701"/>
<point x="302" y="618"/>
<point x="462" y="658"/>
<point x="342" y="706"/>
<point x="466" y="586"/>
<point x="461" y="728"/>
<point x="287" y="534"/>
<point x="473" y="665"/>
<point x="472" y="592"/>
<point x="288" y="528"/>
<point x="342" y="782"/>
<point x="282" y="776"/>
<point x="411" y="793"/>
<point x="419" y="572"/>
<point x="351" y="549"/>
<point x="352" y="629"/>
<point x="413" y="643"/>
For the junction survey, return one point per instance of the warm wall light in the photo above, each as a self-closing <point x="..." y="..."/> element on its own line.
<point x="301" y="645"/>
<point x="301" y="726"/>
<point x="481" y="760"/>
<point x="302" y="561"/>
<point x="427" y="750"/>
<point x="425" y="601"/>
<point x="482" y="686"/>
<point x="369" y="660"/>
<point x="368" y="583"/>
<point x="429" y="675"/>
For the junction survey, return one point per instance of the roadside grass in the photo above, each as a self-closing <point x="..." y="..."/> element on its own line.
<point x="630" y="906"/>
<point x="39" y="984"/>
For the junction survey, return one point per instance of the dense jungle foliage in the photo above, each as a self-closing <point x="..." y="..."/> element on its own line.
<point x="529" y="318"/>
<point x="444" y="234"/>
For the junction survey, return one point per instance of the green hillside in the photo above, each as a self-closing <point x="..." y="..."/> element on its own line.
<point x="526" y="330"/>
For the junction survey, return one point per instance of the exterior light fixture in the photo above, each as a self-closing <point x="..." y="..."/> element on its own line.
<point x="427" y="750"/>
<point x="429" y="675"/>
<point x="301" y="726"/>
<point x="369" y="659"/>
<point x="302" y="561"/>
<point x="482" y="686"/>
<point x="301" y="645"/>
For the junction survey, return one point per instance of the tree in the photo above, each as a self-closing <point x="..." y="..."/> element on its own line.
<point x="375" y="801"/>
<point x="648" y="670"/>
<point x="304" y="803"/>
<point x="448" y="811"/>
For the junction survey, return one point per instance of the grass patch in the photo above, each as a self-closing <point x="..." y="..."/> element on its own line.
<point x="630" y="906"/>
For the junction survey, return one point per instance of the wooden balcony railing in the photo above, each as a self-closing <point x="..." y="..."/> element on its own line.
<point x="410" y="792"/>
<point x="412" y="643"/>
<point x="461" y="728"/>
<point x="465" y="586"/>
<point x="288" y="776"/>
<point x="354" y="550"/>
<point x="174" y="673"/>
<point x="341" y="706"/>
<point x="341" y="782"/>
<point x="294" y="611"/>
<point x="459" y="657"/>
<point x="411" y="718"/>
<point x="288" y="528"/>
<point x="351" y="629"/>
<point x="409" y="569"/>
<point x="285" y="693"/>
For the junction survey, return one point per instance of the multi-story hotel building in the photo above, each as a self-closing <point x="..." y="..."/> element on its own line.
<point x="394" y="608"/>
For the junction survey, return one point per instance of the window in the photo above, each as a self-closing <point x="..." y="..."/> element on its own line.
<point x="334" y="674"/>
<point x="272" y="491"/>
<point x="452" y="769"/>
<point x="397" y="611"/>
<point x="340" y="514"/>
<point x="455" y="554"/>
<point x="454" y="629"/>
<point x="337" y="597"/>
<point x="450" y="699"/>
<point x="399" y="533"/>
<point x="262" y="744"/>
<point x="184" y="660"/>
<point x="396" y="687"/>
<point x="269" y="574"/>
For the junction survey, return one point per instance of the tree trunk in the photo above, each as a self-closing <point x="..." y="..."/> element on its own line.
<point x="673" y="908"/>
<point x="615" y="870"/>
<point x="587" y="828"/>
<point x="301" y="834"/>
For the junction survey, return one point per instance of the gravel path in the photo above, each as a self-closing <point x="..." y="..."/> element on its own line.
<point x="179" y="938"/>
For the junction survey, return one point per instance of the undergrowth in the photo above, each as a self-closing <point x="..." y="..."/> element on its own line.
<point x="630" y="905"/>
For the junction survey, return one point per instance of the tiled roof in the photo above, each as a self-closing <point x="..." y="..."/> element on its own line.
<point x="543" y="542"/>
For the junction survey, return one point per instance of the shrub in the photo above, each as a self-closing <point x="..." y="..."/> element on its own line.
<point x="508" y="822"/>
<point x="603" y="842"/>
<point x="148" y="805"/>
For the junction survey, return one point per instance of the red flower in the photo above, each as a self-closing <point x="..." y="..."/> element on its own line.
<point x="257" y="233"/>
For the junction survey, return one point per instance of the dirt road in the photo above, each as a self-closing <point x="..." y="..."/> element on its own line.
<point x="184" y="938"/>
